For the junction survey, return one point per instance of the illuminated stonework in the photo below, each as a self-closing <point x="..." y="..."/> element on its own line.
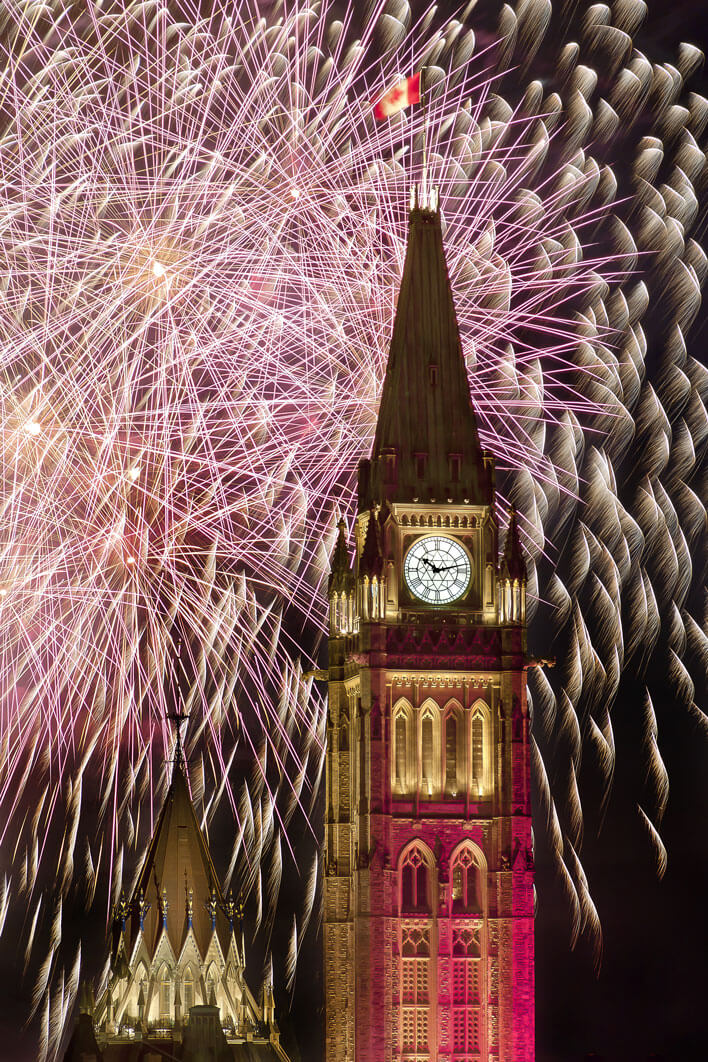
<point x="428" y="934"/>
<point x="177" y="987"/>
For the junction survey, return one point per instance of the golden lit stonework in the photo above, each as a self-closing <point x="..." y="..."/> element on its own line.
<point x="428" y="933"/>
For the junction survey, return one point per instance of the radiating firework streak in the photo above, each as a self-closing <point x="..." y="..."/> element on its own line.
<point x="203" y="230"/>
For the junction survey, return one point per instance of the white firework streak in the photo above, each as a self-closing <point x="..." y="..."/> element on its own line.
<point x="203" y="231"/>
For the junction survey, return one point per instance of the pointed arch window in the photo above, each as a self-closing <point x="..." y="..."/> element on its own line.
<point x="478" y="753"/>
<point x="427" y="754"/>
<point x="466" y="883"/>
<point x="212" y="982"/>
<point x="188" y="989"/>
<point x="401" y="751"/>
<point x="451" y="739"/>
<point x="415" y="882"/>
<point x="165" y="994"/>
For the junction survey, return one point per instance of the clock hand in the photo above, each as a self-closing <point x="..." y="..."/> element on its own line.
<point x="431" y="565"/>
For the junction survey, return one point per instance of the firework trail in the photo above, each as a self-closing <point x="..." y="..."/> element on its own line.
<point x="203" y="230"/>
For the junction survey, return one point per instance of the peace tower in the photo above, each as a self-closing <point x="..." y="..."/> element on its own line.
<point x="428" y="926"/>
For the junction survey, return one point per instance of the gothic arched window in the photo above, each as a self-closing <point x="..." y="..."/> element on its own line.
<point x="401" y="751"/>
<point x="466" y="882"/>
<point x="478" y="753"/>
<point x="188" y="989"/>
<point x="427" y="754"/>
<point x="415" y="882"/>
<point x="451" y="754"/>
<point x="165" y="994"/>
<point x="465" y="942"/>
<point x="212" y="982"/>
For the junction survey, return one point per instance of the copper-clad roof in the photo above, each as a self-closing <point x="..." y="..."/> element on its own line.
<point x="178" y="860"/>
<point x="426" y="443"/>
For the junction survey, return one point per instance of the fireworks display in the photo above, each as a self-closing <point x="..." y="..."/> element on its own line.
<point x="203" y="229"/>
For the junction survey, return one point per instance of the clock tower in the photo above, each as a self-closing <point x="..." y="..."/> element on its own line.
<point x="428" y="889"/>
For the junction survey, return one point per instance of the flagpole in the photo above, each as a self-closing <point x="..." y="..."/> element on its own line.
<point x="424" y="188"/>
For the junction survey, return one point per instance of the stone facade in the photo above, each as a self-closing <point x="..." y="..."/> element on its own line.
<point x="428" y="860"/>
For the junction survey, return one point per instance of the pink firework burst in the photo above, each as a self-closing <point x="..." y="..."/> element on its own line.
<point x="203" y="229"/>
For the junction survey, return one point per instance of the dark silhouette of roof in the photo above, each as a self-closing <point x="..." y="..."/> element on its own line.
<point x="82" y="1045"/>
<point x="371" y="562"/>
<point x="340" y="570"/>
<point x="513" y="564"/>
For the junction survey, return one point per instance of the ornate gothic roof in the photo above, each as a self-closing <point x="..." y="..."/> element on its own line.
<point x="178" y="861"/>
<point x="177" y="985"/>
<point x="426" y="443"/>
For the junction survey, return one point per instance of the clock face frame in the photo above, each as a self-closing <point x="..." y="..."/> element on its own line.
<point x="437" y="570"/>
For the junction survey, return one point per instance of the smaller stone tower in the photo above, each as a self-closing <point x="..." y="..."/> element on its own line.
<point x="177" y="958"/>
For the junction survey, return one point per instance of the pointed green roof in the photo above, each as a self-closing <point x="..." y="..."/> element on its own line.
<point x="426" y="444"/>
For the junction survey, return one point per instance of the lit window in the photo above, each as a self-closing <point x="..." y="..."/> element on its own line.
<point x="467" y="994"/>
<point x="414" y="882"/>
<point x="451" y="753"/>
<point x="165" y="999"/>
<point x="400" y="738"/>
<point x="465" y="882"/>
<point x="478" y="752"/>
<point x="415" y="987"/>
<point x="427" y="741"/>
<point x="188" y="990"/>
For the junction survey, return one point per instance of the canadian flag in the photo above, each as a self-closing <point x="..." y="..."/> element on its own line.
<point x="401" y="95"/>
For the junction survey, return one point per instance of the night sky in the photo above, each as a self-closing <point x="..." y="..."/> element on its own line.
<point x="649" y="998"/>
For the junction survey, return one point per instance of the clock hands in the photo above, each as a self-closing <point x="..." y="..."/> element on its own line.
<point x="435" y="568"/>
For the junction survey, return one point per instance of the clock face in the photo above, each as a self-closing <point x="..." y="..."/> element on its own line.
<point x="437" y="570"/>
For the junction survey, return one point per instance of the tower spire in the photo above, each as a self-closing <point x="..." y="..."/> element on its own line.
<point x="426" y="446"/>
<point x="178" y="716"/>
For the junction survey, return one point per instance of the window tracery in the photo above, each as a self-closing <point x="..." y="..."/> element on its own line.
<point x="466" y="884"/>
<point x="415" y="882"/>
<point x="480" y="751"/>
<point x="427" y="754"/>
<point x="451" y="753"/>
<point x="403" y="752"/>
<point x="415" y="992"/>
<point x="467" y="961"/>
<point x="400" y="752"/>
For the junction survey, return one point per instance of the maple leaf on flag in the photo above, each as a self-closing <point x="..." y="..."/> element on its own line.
<point x="403" y="94"/>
